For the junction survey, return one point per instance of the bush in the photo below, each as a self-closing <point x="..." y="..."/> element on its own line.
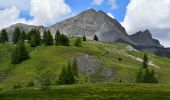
<point x="77" y="42"/>
<point x="30" y="84"/>
<point x="16" y="86"/>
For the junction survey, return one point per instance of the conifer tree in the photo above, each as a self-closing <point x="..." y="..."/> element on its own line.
<point x="19" y="54"/>
<point x="22" y="36"/>
<point x="36" y="39"/>
<point x="49" y="38"/>
<point x="77" y="42"/>
<point x="3" y="36"/>
<point x="95" y="38"/>
<point x="84" y="38"/>
<point x="58" y="38"/>
<point x="145" y="61"/>
<point x="139" y="78"/>
<point x="16" y="35"/>
<point x="75" y="70"/>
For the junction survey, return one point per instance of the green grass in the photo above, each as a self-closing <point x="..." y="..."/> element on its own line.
<point x="47" y="61"/>
<point x="107" y="91"/>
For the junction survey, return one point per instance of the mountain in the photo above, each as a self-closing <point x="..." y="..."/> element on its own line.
<point x="91" y="22"/>
<point x="145" y="39"/>
<point x="22" y="27"/>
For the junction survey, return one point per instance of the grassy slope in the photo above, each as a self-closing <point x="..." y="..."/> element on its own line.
<point x="93" y="92"/>
<point x="48" y="62"/>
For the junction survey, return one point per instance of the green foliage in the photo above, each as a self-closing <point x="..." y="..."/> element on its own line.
<point x="84" y="38"/>
<point x="16" y="86"/>
<point x="145" y="61"/>
<point x="75" y="69"/>
<point x="61" y="39"/>
<point x="77" y="42"/>
<point x="19" y="54"/>
<point x="3" y="36"/>
<point x="95" y="38"/>
<point x="36" y="39"/>
<point x="58" y="38"/>
<point x="69" y="75"/>
<point x="30" y="84"/>
<point x="16" y="35"/>
<point x="146" y="76"/>
<point x="22" y="36"/>
<point x="30" y="34"/>
<point x="47" y="38"/>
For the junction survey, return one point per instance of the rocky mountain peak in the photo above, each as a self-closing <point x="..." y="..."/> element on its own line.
<point x="145" y="38"/>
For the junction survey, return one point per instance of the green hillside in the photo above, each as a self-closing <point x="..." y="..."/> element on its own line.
<point x="48" y="61"/>
<point x="92" y="92"/>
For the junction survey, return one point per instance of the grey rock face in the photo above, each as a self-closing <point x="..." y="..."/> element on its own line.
<point x="92" y="22"/>
<point x="22" y="27"/>
<point x="145" y="39"/>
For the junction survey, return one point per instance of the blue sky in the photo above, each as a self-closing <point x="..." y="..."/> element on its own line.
<point x="119" y="12"/>
<point x="134" y="15"/>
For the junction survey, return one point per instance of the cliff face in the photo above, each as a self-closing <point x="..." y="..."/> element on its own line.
<point x="145" y="39"/>
<point x="93" y="22"/>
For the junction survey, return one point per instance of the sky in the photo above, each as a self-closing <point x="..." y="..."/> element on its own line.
<point x="134" y="15"/>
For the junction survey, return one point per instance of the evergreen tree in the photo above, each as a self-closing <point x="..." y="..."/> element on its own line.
<point x="64" y="40"/>
<point x="58" y="38"/>
<point x="44" y="37"/>
<point x="95" y="38"/>
<point x="48" y="38"/>
<point x="3" y="36"/>
<point x="75" y="70"/>
<point x="145" y="61"/>
<point x="62" y="76"/>
<point x="153" y="79"/>
<point x="84" y="38"/>
<point x="70" y="79"/>
<point x="77" y="42"/>
<point x="139" y="78"/>
<point x="36" y="39"/>
<point x="19" y="54"/>
<point x="22" y="36"/>
<point x="30" y="34"/>
<point x="16" y="35"/>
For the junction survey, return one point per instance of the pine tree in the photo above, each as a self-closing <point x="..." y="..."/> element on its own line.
<point x="30" y="34"/>
<point x="75" y="70"/>
<point x="64" y="40"/>
<point x="19" y="54"/>
<point x="16" y="35"/>
<point x="36" y="39"/>
<point x="48" y="38"/>
<point x="3" y="36"/>
<point x="58" y="38"/>
<point x="153" y="79"/>
<point x="70" y="75"/>
<point x="95" y="38"/>
<point x="145" y="61"/>
<point x="77" y="42"/>
<point x="22" y="36"/>
<point x="139" y="78"/>
<point x="84" y="38"/>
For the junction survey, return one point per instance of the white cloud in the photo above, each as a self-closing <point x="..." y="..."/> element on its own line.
<point x="110" y="14"/>
<point x="113" y="4"/>
<point x="19" y="4"/>
<point x="44" y="12"/>
<point x="10" y="16"/>
<point x="149" y="14"/>
<point x="98" y="2"/>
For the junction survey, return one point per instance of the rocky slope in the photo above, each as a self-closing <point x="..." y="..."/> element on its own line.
<point x="145" y="39"/>
<point x="93" y="22"/>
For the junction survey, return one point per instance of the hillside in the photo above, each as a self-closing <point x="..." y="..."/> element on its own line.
<point x="92" y="92"/>
<point x="99" y="59"/>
